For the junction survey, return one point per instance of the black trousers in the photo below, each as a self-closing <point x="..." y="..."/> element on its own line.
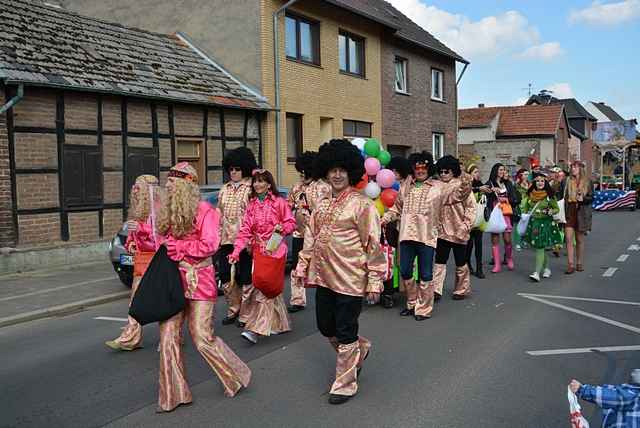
<point x="337" y="315"/>
<point x="475" y="241"/>
<point x="444" y="248"/>
<point x="296" y="246"/>
<point x="243" y="267"/>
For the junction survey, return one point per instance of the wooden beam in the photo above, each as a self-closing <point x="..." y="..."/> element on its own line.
<point x="244" y="129"/>
<point x="172" y="133"/>
<point x="155" y="136"/>
<point x="205" y="149"/>
<point x="12" y="166"/>
<point x="60" y="138"/>
<point x="101" y="147"/>
<point x="124" y="128"/>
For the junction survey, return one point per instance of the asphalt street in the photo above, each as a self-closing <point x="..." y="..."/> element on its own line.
<point x="501" y="358"/>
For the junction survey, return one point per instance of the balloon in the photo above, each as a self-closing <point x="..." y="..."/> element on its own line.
<point x="372" y="148"/>
<point x="364" y="155"/>
<point x="396" y="186"/>
<point x="388" y="197"/>
<point x="379" y="206"/>
<point x="384" y="157"/>
<point x="372" y="190"/>
<point x="372" y="166"/>
<point x="385" y="178"/>
<point x="363" y="182"/>
<point x="359" y="143"/>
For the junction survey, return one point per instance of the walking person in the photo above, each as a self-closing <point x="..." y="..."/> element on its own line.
<point x="191" y="231"/>
<point x="542" y="231"/>
<point x="504" y="194"/>
<point x="266" y="214"/>
<point x="232" y="203"/>
<point x="343" y="259"/>
<point x="475" y="235"/>
<point x="304" y="195"/>
<point x="522" y="187"/>
<point x="418" y="207"/>
<point x="578" y="195"/>
<point x="142" y="242"/>
<point x="457" y="218"/>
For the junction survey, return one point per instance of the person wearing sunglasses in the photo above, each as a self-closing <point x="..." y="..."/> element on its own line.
<point x="457" y="219"/>
<point x="418" y="207"/>
<point x="232" y="203"/>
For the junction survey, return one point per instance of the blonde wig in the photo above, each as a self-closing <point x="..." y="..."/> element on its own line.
<point x="578" y="184"/>
<point x="140" y="197"/>
<point x="179" y="208"/>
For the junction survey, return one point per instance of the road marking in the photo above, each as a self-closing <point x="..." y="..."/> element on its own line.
<point x="638" y="238"/>
<point x="584" y="314"/>
<point x="584" y="350"/>
<point x="111" y="319"/>
<point x="634" y="247"/>
<point x="623" y="258"/>
<point x="609" y="272"/>
<point x="63" y="287"/>
<point x="583" y="299"/>
<point x="499" y="304"/>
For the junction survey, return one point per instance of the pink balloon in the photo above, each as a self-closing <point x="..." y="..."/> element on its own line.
<point x="385" y="178"/>
<point x="372" y="166"/>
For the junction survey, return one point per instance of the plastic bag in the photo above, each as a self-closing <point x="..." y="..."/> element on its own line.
<point x="560" y="217"/>
<point x="274" y="242"/>
<point x="496" y="223"/>
<point x="575" y="414"/>
<point x="480" y="207"/>
<point x="524" y="220"/>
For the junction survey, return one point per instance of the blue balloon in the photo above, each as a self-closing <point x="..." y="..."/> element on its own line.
<point x="396" y="186"/>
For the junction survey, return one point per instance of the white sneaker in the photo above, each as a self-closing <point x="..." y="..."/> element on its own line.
<point x="518" y="247"/>
<point x="535" y="277"/>
<point x="250" y="336"/>
<point x="546" y="273"/>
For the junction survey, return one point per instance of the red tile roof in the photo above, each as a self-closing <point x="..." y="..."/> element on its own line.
<point x="515" y="121"/>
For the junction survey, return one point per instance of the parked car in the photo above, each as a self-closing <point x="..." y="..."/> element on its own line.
<point x="122" y="261"/>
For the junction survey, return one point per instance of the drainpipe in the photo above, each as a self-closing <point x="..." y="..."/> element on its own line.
<point x="276" y="77"/>
<point x="13" y="101"/>
<point x="457" y="114"/>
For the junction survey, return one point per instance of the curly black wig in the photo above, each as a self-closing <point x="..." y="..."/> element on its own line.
<point x="304" y="164"/>
<point x="423" y="157"/>
<point x="547" y="187"/>
<point x="400" y="165"/>
<point x="449" y="162"/>
<point x="339" y="154"/>
<point x="242" y="158"/>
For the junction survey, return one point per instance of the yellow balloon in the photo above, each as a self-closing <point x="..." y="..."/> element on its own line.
<point x="379" y="206"/>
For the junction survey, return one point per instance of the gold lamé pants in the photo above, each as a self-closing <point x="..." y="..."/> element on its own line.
<point x="231" y="370"/>
<point x="131" y="336"/>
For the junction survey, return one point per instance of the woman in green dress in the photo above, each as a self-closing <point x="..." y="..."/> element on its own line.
<point x="542" y="232"/>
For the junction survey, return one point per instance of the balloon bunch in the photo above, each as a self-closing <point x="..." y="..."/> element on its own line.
<point x="378" y="183"/>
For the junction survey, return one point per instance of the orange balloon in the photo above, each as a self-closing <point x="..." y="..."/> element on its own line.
<point x="363" y="182"/>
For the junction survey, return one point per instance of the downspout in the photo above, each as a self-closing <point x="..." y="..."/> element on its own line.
<point x="276" y="78"/>
<point x="457" y="114"/>
<point x="15" y="100"/>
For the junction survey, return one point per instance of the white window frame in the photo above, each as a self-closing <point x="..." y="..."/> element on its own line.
<point x="438" y="151"/>
<point x="404" y="89"/>
<point x="440" y="84"/>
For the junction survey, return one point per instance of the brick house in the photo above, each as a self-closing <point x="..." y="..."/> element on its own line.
<point x="332" y="74"/>
<point x="511" y="135"/>
<point x="89" y="105"/>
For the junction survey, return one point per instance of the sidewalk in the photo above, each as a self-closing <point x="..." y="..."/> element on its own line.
<point x="40" y="294"/>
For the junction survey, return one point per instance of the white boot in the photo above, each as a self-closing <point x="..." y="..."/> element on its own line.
<point x="535" y="277"/>
<point x="546" y="273"/>
<point x="250" y="336"/>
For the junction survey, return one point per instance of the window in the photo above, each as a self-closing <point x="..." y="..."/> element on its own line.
<point x="437" y="85"/>
<point x="351" y="50"/>
<point x="82" y="175"/>
<point x="354" y="128"/>
<point x="437" y="146"/>
<point x="294" y="136"/>
<point x="302" y="39"/>
<point x="401" y="75"/>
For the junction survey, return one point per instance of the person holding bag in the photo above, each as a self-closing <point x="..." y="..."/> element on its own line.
<point x="191" y="231"/>
<point x="542" y="232"/>
<point x="505" y="196"/>
<point x="475" y="235"/>
<point x="578" y="195"/>
<point x="343" y="259"/>
<point x="142" y="242"/>
<point x="268" y="218"/>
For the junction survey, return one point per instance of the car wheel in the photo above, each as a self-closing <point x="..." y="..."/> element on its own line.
<point x="125" y="276"/>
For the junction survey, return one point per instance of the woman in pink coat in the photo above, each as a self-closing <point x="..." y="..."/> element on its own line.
<point x="267" y="212"/>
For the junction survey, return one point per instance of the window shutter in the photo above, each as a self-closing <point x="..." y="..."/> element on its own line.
<point x="92" y="177"/>
<point x="73" y="176"/>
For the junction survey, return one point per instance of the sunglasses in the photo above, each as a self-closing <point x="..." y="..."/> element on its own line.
<point x="420" y="168"/>
<point x="445" y="171"/>
<point x="235" y="169"/>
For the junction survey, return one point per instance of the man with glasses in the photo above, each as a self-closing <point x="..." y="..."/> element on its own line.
<point x="232" y="202"/>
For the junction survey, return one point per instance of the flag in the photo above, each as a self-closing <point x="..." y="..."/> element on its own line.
<point x="611" y="199"/>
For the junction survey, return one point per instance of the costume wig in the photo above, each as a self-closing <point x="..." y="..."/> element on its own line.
<point x="339" y="154"/>
<point x="140" y="196"/>
<point x="304" y="164"/>
<point x="424" y="158"/>
<point x="400" y="165"/>
<point x="180" y="205"/>
<point x="450" y="163"/>
<point x="242" y="158"/>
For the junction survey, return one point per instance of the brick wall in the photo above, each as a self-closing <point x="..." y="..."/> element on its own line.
<point x="112" y="222"/>
<point x="37" y="191"/>
<point x="410" y="120"/>
<point x="35" y="150"/>
<point x="83" y="227"/>
<point x="7" y="233"/>
<point x="39" y="229"/>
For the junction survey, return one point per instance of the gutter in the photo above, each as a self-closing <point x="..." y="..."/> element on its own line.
<point x="15" y="100"/>
<point x="458" y="110"/>
<point x="276" y="79"/>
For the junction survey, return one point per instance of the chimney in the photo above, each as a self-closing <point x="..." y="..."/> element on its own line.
<point x="481" y="105"/>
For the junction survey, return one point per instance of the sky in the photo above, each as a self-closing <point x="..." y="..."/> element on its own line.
<point x="577" y="49"/>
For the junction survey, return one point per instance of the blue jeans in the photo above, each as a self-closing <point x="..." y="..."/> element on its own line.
<point x="409" y="250"/>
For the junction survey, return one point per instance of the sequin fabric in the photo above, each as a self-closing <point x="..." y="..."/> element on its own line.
<point x="232" y="203"/>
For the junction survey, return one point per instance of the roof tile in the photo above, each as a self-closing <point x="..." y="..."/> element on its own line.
<point x="528" y="120"/>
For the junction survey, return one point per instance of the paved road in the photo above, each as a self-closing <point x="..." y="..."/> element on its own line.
<point x="467" y="366"/>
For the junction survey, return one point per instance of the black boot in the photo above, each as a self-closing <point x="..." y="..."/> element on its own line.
<point x="407" y="313"/>
<point x="386" y="300"/>
<point x="471" y="271"/>
<point x="479" y="274"/>
<point x="229" y="319"/>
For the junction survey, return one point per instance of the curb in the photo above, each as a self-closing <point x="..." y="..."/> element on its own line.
<point x="63" y="309"/>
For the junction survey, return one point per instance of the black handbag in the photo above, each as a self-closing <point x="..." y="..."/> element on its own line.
<point x="160" y="294"/>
